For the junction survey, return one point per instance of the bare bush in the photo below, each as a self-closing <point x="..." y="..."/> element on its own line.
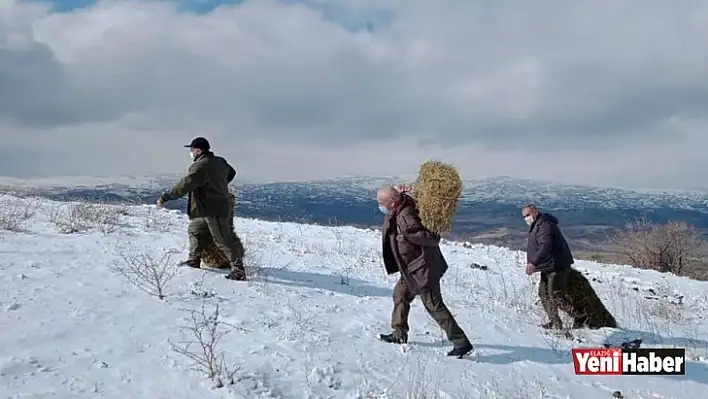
<point x="344" y="274"/>
<point x="81" y="217"/>
<point x="157" y="221"/>
<point x="671" y="247"/>
<point x="104" y="218"/>
<point x="148" y="273"/>
<point x="338" y="250"/>
<point x="201" y="346"/>
<point x="337" y="234"/>
<point x="15" y="213"/>
<point x="253" y="260"/>
<point x="66" y="219"/>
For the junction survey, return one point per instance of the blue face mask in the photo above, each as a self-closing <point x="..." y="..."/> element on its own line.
<point x="383" y="209"/>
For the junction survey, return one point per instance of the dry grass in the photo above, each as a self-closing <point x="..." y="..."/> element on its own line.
<point x="601" y="256"/>
<point x="437" y="191"/>
<point x="659" y="321"/>
<point x="156" y="220"/>
<point x="424" y="382"/>
<point x="80" y="217"/>
<point x="506" y="292"/>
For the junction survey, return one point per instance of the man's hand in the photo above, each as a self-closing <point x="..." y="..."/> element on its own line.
<point x="160" y="203"/>
<point x="530" y="269"/>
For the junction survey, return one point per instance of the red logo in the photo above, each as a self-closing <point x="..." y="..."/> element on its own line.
<point x="597" y="361"/>
<point x="616" y="361"/>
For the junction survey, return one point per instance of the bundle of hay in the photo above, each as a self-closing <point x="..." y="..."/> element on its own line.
<point x="584" y="305"/>
<point x="212" y="257"/>
<point x="437" y="191"/>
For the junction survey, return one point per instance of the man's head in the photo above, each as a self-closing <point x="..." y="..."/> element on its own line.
<point x="198" y="146"/>
<point x="530" y="213"/>
<point x="388" y="198"/>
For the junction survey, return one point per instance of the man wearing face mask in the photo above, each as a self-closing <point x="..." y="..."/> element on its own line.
<point x="548" y="253"/>
<point x="208" y="206"/>
<point x="412" y="250"/>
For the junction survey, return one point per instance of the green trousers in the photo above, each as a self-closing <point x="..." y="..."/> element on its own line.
<point x="222" y="232"/>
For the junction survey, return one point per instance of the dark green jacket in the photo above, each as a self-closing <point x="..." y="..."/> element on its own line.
<point x="207" y="183"/>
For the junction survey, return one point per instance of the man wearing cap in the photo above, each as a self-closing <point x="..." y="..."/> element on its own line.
<point x="206" y="185"/>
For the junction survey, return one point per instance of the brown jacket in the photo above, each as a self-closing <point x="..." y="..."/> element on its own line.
<point x="412" y="250"/>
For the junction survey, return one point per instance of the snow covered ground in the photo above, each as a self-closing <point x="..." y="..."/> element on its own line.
<point x="306" y="326"/>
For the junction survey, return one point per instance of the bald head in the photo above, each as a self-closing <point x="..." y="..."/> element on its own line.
<point x="388" y="193"/>
<point x="388" y="197"/>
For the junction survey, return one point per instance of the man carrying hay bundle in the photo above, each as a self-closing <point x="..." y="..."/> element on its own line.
<point x="208" y="206"/>
<point x="411" y="247"/>
<point x="561" y="286"/>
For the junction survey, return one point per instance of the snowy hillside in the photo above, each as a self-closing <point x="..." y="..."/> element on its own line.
<point x="305" y="326"/>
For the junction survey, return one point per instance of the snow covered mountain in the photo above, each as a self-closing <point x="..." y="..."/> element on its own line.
<point x="305" y="325"/>
<point x="489" y="207"/>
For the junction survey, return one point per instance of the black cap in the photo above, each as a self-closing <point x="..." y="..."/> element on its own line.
<point x="200" y="143"/>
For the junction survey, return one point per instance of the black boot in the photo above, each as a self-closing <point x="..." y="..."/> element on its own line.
<point x="394" y="338"/>
<point x="461" y="351"/>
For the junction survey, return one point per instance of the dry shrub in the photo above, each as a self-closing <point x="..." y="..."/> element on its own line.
<point x="14" y="213"/>
<point x="202" y="346"/>
<point x="437" y="191"/>
<point x="79" y="217"/>
<point x="670" y="247"/>
<point x="148" y="273"/>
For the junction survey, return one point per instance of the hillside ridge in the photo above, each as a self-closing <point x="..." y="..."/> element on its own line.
<point x="305" y="324"/>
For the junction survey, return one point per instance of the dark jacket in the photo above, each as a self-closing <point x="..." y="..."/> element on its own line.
<point x="207" y="183"/>
<point x="412" y="250"/>
<point x="547" y="249"/>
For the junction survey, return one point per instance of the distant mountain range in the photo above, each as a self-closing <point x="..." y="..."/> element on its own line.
<point x="489" y="210"/>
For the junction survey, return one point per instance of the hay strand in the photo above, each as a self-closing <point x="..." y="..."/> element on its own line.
<point x="437" y="191"/>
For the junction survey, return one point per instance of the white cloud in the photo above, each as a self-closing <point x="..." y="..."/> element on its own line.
<point x="604" y="92"/>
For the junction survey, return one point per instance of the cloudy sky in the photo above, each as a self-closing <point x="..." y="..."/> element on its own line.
<point x="607" y="92"/>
